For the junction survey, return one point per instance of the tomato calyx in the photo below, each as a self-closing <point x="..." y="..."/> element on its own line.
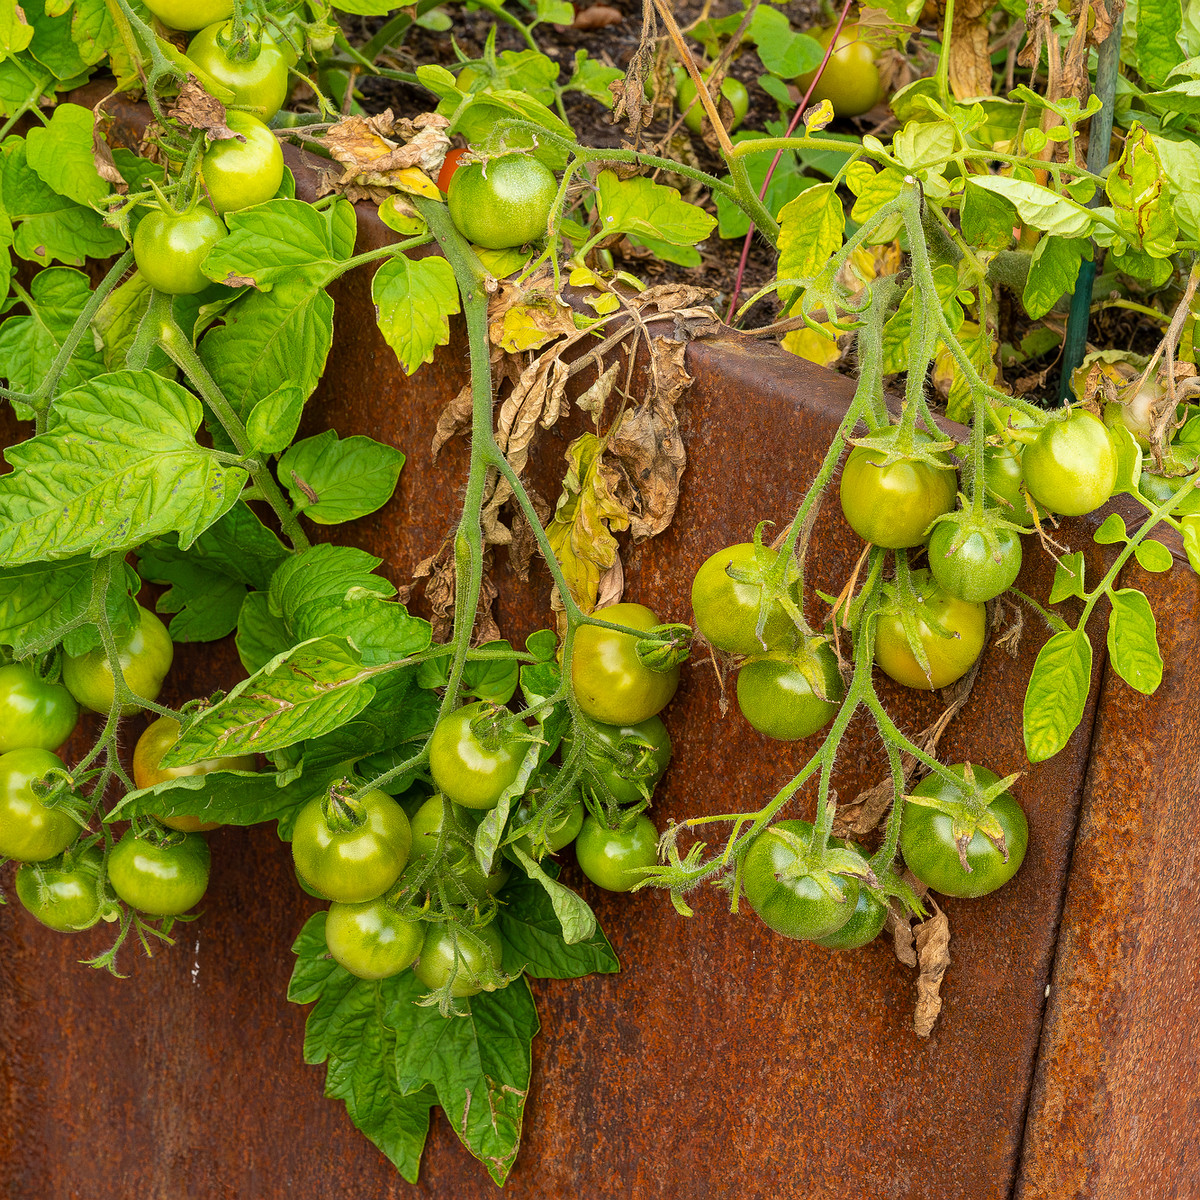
<point x="970" y="812"/>
<point x="666" y="649"/>
<point x="904" y="443"/>
<point x="826" y="867"/>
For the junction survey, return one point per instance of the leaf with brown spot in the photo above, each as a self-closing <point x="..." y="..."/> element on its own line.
<point x="454" y="418"/>
<point x="970" y="63"/>
<point x="530" y="326"/>
<point x="196" y="109"/>
<point x="933" y="957"/>
<point x="587" y="514"/>
<point x="649" y="447"/>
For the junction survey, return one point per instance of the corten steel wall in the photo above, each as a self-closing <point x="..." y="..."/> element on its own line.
<point x="722" y="1061"/>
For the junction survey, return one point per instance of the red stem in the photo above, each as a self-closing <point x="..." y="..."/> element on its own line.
<point x="800" y="110"/>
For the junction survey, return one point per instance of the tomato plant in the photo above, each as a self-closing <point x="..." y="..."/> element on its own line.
<point x="463" y="961"/>
<point x="371" y="939"/>
<point x="34" y="713"/>
<point x="31" y="830"/>
<point x="468" y="881"/>
<point x="64" y="895"/>
<point x="243" y="170"/>
<point x="790" y="695"/>
<point x="727" y="609"/>
<point x="144" y="656"/>
<point x="474" y="755"/>
<point x="501" y="203"/>
<point x="627" y="759"/>
<point x="614" y="858"/>
<point x="256" y="71"/>
<point x="610" y="682"/>
<point x="993" y="844"/>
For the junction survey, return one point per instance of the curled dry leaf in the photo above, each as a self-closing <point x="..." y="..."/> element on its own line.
<point x="438" y="573"/>
<point x="629" y="94"/>
<point x="597" y="16"/>
<point x="196" y="109"/>
<point x="372" y="157"/>
<point x="595" y="397"/>
<point x="524" y="544"/>
<point x="101" y="152"/>
<point x="970" y="62"/>
<point x="933" y="957"/>
<point x="454" y="418"/>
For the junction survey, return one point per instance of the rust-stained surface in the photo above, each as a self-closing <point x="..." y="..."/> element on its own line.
<point x="1115" y="1111"/>
<point x="723" y="1061"/>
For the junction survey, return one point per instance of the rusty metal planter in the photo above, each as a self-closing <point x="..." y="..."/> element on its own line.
<point x="722" y="1061"/>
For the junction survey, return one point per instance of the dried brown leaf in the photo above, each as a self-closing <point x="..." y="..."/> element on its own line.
<point x="649" y="447"/>
<point x="970" y="62"/>
<point x="933" y="957"/>
<point x="195" y="108"/>
<point x="595" y="397"/>
<point x="101" y="152"/>
<point x="371" y="156"/>
<point x="523" y="546"/>
<point x="667" y="297"/>
<point x="455" y="418"/>
<point x="597" y="16"/>
<point x="438" y="572"/>
<point x="629" y="94"/>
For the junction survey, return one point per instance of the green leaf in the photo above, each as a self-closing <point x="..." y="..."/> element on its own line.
<point x="261" y="635"/>
<point x="332" y="480"/>
<point x="1111" y="531"/>
<point x="1158" y="50"/>
<point x="270" y="339"/>
<point x="381" y="631"/>
<point x="283" y="239"/>
<point x="414" y="301"/>
<point x="52" y="44"/>
<point x="1153" y="556"/>
<point x="650" y="210"/>
<point x="49" y="226"/>
<point x="479" y="1065"/>
<point x="1191" y="541"/>
<point x="874" y="189"/>
<point x="118" y="465"/>
<point x="592" y="78"/>
<point x="1133" y="640"/>
<point x="15" y="32"/>
<point x="494" y="681"/>
<point x="273" y="421"/>
<point x="575" y="917"/>
<point x="347" y="1029"/>
<point x="61" y="155"/>
<point x="1038" y="206"/>
<point x="29" y="344"/>
<point x="325" y="571"/>
<point x="810" y="232"/>
<point x="1129" y="459"/>
<point x="1057" y="693"/>
<point x="1181" y="165"/>
<point x="304" y="692"/>
<point x="783" y="52"/>
<point x="1052" y="272"/>
<point x="115" y="325"/>
<point x="1068" y="578"/>
<point x="897" y="330"/>
<point x="533" y="939"/>
<point x="987" y="219"/>
<point x="39" y="601"/>
<point x="227" y="797"/>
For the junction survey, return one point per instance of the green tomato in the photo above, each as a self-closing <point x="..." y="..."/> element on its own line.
<point x="34" y="714"/>
<point x="240" y="172"/>
<point x="727" y="610"/>
<point x="610" y="683"/>
<point x="31" y="831"/>
<point x="190" y="14"/>
<point x="796" y="907"/>
<point x="169" y="248"/>
<point x="1071" y="468"/>
<point x="927" y="840"/>
<point x="628" y="759"/>
<point x="733" y="90"/>
<point x="473" y="767"/>
<point x="504" y="202"/>
<point x="951" y="654"/>
<point x="160" y="880"/>
<point x="559" y="832"/>
<point x="145" y="656"/>
<point x="612" y="858"/>
<point x="61" y="897"/>
<point x="865" y="924"/>
<point x="350" y="863"/>
<point x="775" y="691"/>
<point x="448" y="954"/>
<point x="850" y="81"/>
<point x="973" y="571"/>
<point x="1004" y="482"/>
<point x="259" y="84"/>
<point x="427" y="828"/>
<point x="892" y="505"/>
<point x="371" y="940"/>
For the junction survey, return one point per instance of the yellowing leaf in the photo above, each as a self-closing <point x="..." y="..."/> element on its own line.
<point x="806" y="344"/>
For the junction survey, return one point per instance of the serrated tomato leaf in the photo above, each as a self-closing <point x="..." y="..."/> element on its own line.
<point x="414" y="301"/>
<point x="1057" y="692"/>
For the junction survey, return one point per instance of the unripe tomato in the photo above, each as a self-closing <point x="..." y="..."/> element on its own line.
<point x="147" y="754"/>
<point x="504" y="202"/>
<point x="31" y="831"/>
<point x="160" y="880"/>
<point x="371" y="940"/>
<point x="608" y="678"/>
<point x="630" y="759"/>
<point x="169" y="248"/>
<point x="950" y="655"/>
<point x="974" y="571"/>
<point x="449" y="954"/>
<point x="560" y="832"/>
<point x="242" y="171"/>
<point x="1072" y="466"/>
<point x="190" y="14"/>
<point x="727" y="609"/>
<point x="733" y="90"/>
<point x="612" y="858"/>
<point x="61" y="898"/>
<point x="426" y="830"/>
<point x="34" y="714"/>
<point x="471" y="768"/>
<point x="259" y="84"/>
<point x="776" y="696"/>
<point x="145" y="656"/>
<point x="850" y="81"/>
<point x="892" y="505"/>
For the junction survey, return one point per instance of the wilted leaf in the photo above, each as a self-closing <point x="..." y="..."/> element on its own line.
<point x="933" y="957"/>
<point x="370" y="156"/>
<point x="196" y="109"/>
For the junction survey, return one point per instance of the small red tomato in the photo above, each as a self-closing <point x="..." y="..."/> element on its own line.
<point x="449" y="166"/>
